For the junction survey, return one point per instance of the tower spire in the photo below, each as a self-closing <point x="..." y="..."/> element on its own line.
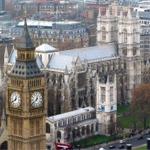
<point x="6" y="55"/>
<point x="99" y="14"/>
<point x="25" y="42"/>
<point x="6" y="52"/>
<point x="25" y="56"/>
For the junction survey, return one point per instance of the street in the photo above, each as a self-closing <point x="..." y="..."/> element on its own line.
<point x="134" y="141"/>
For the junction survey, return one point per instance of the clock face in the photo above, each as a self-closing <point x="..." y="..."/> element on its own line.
<point x="36" y="99"/>
<point x="15" y="99"/>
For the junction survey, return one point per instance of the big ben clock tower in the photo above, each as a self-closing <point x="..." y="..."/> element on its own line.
<point x="26" y="99"/>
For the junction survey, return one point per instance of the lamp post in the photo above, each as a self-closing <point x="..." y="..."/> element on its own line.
<point x="148" y="143"/>
<point x="78" y="146"/>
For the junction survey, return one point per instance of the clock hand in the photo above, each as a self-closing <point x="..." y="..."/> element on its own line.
<point x="14" y="99"/>
<point x="35" y="100"/>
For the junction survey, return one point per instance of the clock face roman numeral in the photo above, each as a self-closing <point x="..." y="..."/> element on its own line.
<point x="36" y="99"/>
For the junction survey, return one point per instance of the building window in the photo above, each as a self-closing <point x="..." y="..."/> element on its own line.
<point x="78" y="118"/>
<point x="111" y="108"/>
<point x="87" y="129"/>
<point x="111" y="93"/>
<point x="58" y="135"/>
<point x="48" y="129"/>
<point x="103" y="97"/>
<point x="60" y="123"/>
<point x="125" y="35"/>
<point x="74" y="119"/>
<point x="83" y="130"/>
<point x="134" y="35"/>
<point x="103" y="33"/>
<point x="32" y="128"/>
<point x="96" y="126"/>
<point x="64" y="122"/>
<point x="102" y="108"/>
<point x="92" y="128"/>
<point x="20" y="128"/>
<point x="112" y="34"/>
<point x="14" y="127"/>
<point x="37" y="127"/>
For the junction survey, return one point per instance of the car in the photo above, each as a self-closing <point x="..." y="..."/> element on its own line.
<point x="140" y="138"/>
<point x="122" y="141"/>
<point x="132" y="134"/>
<point x="112" y="146"/>
<point x="147" y="132"/>
<point x="121" y="146"/>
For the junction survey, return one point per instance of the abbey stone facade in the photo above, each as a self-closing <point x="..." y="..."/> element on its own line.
<point x="118" y="53"/>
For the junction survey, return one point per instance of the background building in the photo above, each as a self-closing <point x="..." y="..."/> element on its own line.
<point x="61" y="35"/>
<point x="2" y="5"/>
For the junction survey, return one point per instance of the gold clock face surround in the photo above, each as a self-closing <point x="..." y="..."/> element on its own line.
<point x="15" y="99"/>
<point x="36" y="99"/>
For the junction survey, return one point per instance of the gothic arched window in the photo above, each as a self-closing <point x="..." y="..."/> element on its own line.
<point x="111" y="118"/>
<point x="125" y="35"/>
<point x="112" y="34"/>
<point x="103" y="33"/>
<point x="134" y="35"/>
<point x="96" y="126"/>
<point x="83" y="130"/>
<point x="48" y="129"/>
<point x="58" y="134"/>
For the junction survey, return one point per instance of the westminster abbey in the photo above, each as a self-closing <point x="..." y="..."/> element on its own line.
<point x="72" y="75"/>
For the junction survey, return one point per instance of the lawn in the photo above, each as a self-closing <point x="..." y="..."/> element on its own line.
<point x="125" y="121"/>
<point x="141" y="148"/>
<point x="97" y="139"/>
<point x="122" y="109"/>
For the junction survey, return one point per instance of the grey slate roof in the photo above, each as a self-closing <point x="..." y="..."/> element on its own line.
<point x="61" y="62"/>
<point x="26" y="69"/>
<point x="72" y="113"/>
<point x="65" y="58"/>
<point x="92" y="53"/>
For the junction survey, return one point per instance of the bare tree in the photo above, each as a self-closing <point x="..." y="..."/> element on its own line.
<point x="140" y="102"/>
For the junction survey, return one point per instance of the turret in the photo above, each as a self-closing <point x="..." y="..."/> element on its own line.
<point x="6" y="56"/>
<point x="3" y="120"/>
<point x="129" y="15"/>
<point x="66" y="75"/>
<point x="106" y="104"/>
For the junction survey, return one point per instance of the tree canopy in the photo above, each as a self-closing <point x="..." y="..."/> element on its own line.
<point x="140" y="104"/>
